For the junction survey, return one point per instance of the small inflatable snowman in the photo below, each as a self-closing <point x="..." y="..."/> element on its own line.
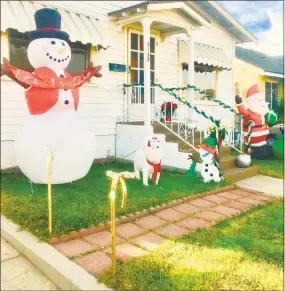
<point x="54" y="120"/>
<point x="208" y="168"/>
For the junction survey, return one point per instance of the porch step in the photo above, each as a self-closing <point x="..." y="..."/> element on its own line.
<point x="227" y="162"/>
<point x="186" y="148"/>
<point x="235" y="174"/>
<point x="158" y="128"/>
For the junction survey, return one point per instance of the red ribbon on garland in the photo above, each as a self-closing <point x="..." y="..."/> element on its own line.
<point x="32" y="79"/>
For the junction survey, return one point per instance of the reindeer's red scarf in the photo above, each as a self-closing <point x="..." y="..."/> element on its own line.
<point x="35" y="80"/>
<point x="156" y="170"/>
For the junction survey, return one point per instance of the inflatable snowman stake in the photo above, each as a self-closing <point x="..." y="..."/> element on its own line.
<point x="52" y="97"/>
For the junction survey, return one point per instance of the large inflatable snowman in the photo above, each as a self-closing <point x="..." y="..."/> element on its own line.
<point x="52" y="97"/>
<point x="258" y="111"/>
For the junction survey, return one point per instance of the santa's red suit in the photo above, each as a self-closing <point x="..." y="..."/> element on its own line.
<point x="41" y="100"/>
<point x="260" y="130"/>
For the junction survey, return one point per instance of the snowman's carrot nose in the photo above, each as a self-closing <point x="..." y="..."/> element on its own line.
<point x="61" y="50"/>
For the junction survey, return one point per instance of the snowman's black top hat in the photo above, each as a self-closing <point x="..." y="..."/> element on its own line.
<point x="48" y="22"/>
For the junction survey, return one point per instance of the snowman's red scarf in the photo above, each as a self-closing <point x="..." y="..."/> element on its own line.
<point x="34" y="80"/>
<point x="156" y="169"/>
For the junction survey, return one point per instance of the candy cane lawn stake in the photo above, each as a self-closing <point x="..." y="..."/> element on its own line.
<point x="50" y="159"/>
<point x="117" y="177"/>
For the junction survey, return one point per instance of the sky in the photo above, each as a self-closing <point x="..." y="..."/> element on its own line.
<point x="264" y="19"/>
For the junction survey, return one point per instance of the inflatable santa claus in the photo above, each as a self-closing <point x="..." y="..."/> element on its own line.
<point x="52" y="98"/>
<point x="257" y="111"/>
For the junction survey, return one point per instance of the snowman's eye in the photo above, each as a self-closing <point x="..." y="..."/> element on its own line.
<point x="52" y="42"/>
<point x="63" y="43"/>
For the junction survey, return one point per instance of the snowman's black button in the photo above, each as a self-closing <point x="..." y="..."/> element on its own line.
<point x="66" y="102"/>
<point x="206" y="165"/>
<point x="211" y="175"/>
<point x="61" y="76"/>
<point x="54" y="59"/>
<point x="206" y="170"/>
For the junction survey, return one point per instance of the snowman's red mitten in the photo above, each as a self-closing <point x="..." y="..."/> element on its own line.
<point x="238" y="99"/>
<point x="95" y="71"/>
<point x="6" y="71"/>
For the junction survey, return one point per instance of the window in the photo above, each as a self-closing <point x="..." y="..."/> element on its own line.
<point x="18" y="43"/>
<point x="137" y="64"/>
<point x="204" y="79"/>
<point x="271" y="94"/>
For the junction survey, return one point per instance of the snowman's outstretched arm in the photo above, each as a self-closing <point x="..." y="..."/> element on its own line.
<point x="6" y="71"/>
<point x="95" y="71"/>
<point x="240" y="106"/>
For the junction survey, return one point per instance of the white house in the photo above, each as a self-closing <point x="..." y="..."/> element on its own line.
<point x="154" y="40"/>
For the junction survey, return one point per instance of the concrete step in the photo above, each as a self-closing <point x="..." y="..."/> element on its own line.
<point x="227" y="162"/>
<point x="237" y="174"/>
<point x="157" y="128"/>
<point x="186" y="148"/>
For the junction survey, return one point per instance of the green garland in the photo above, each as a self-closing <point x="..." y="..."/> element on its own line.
<point x="210" y="97"/>
<point x="169" y="91"/>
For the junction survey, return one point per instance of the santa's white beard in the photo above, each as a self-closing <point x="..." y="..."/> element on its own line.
<point x="257" y="106"/>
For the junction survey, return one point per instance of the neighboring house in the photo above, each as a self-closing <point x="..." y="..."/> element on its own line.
<point x="200" y="35"/>
<point x="255" y="67"/>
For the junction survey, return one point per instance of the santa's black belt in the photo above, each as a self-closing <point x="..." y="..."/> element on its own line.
<point x="254" y="126"/>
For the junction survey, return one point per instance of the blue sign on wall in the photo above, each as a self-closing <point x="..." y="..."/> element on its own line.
<point x="117" y="67"/>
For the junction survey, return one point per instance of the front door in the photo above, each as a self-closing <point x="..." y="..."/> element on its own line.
<point x="136" y="75"/>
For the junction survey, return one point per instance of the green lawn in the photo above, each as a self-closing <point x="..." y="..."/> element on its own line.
<point x="271" y="167"/>
<point x="84" y="203"/>
<point x="241" y="253"/>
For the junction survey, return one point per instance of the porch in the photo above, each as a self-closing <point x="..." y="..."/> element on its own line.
<point x="155" y="22"/>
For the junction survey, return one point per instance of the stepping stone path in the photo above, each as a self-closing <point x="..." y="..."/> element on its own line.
<point x="93" y="252"/>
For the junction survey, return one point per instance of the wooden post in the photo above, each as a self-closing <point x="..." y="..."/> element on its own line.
<point x="191" y="64"/>
<point x="146" y="22"/>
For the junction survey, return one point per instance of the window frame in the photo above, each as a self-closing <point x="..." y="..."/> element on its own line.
<point x="139" y="69"/>
<point x="271" y="91"/>
<point x="185" y="71"/>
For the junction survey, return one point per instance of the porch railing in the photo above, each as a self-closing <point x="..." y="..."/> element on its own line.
<point x="188" y="122"/>
<point x="136" y="94"/>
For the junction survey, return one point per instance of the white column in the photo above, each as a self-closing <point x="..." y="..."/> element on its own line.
<point x="191" y="58"/>
<point x="217" y="84"/>
<point x="146" y="22"/>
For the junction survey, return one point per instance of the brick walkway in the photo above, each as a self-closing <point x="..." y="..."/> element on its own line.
<point x="93" y="252"/>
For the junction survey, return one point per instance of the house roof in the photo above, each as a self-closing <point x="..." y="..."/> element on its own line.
<point x="226" y="20"/>
<point x="20" y="15"/>
<point x="267" y="63"/>
<point x="200" y="7"/>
